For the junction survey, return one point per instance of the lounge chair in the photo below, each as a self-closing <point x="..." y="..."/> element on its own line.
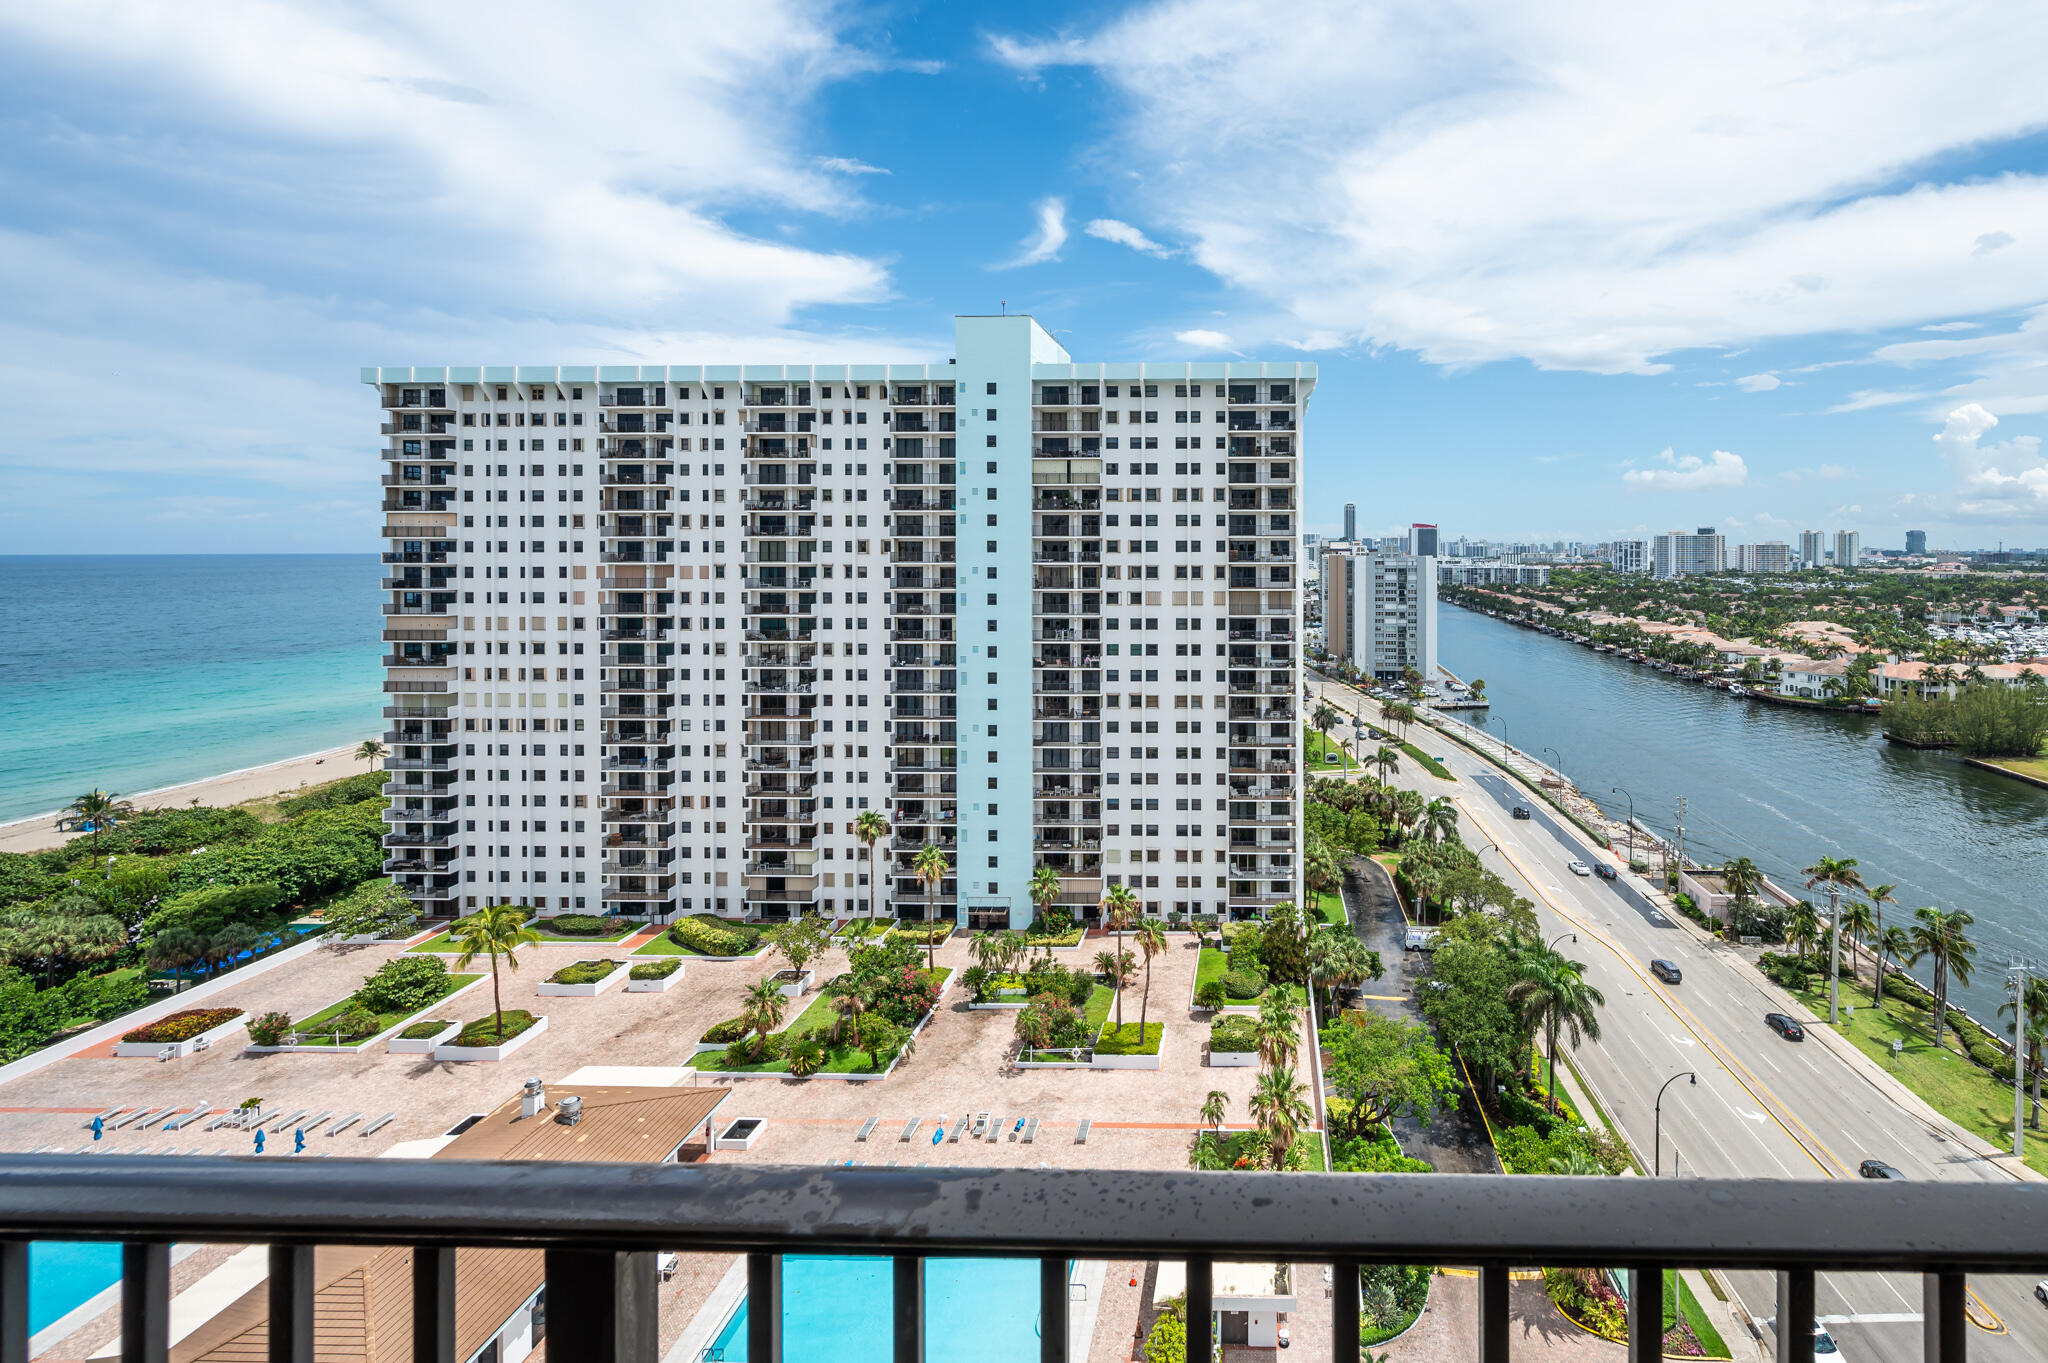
<point x="892" y="1164"/>
<point x="374" y="1127"/>
<point x="995" y="1129"/>
<point x="867" y="1129"/>
<point x="981" y="1123"/>
<point x="344" y="1124"/>
<point x="309" y="1126"/>
<point x="162" y="1114"/>
<point x="213" y="1125"/>
<point x="1030" y="1131"/>
<point x="1081" y="1134"/>
<point x="284" y="1122"/>
<point x="135" y="1116"/>
<point x="910" y="1128"/>
<point x="185" y="1119"/>
<point x="959" y="1128"/>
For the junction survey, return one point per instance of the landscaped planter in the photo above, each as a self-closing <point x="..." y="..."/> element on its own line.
<point x="657" y="986"/>
<point x="423" y="1045"/>
<point x="447" y="1051"/>
<point x="150" y="1050"/>
<point x="740" y="1134"/>
<point x="549" y="989"/>
<point x="1131" y="1062"/>
<point x="1223" y="1060"/>
<point x="793" y="983"/>
<point x="1013" y="1002"/>
<point x="1024" y="1064"/>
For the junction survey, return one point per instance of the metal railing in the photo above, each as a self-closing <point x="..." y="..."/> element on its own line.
<point x="602" y="1226"/>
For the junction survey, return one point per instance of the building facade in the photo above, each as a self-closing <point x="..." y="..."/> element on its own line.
<point x="1630" y="556"/>
<point x="1812" y="549"/>
<point x="1679" y="554"/>
<point x="1772" y="556"/>
<point x="659" y="635"/>
<point x="1422" y="540"/>
<point x="1379" y="611"/>
<point x="1492" y="573"/>
<point x="1848" y="548"/>
<point x="1350" y="520"/>
<point x="1916" y="542"/>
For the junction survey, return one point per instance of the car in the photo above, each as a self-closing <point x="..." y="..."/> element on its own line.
<point x="1787" y="1027"/>
<point x="1666" y="971"/>
<point x="2041" y="1292"/>
<point x="1419" y="939"/>
<point x="1521" y="811"/>
<point x="1823" y="1342"/>
<point x="1333" y="757"/>
<point x="1877" y="1168"/>
<point x="1578" y="868"/>
<point x="1603" y="870"/>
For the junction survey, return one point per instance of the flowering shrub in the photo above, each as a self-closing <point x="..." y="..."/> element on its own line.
<point x="270" y="1029"/>
<point x="1584" y="1295"/>
<point x="183" y="1026"/>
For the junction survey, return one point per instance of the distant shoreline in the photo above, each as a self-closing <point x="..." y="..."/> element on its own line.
<point x="38" y="832"/>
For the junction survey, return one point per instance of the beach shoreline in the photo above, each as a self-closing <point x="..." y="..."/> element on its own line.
<point x="39" y="831"/>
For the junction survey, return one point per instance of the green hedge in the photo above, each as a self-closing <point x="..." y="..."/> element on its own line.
<point x="1426" y="762"/>
<point x="581" y="925"/>
<point x="182" y="1026"/>
<point x="726" y="1032"/>
<point x="656" y="970"/>
<point x="583" y="972"/>
<point x="421" y="1031"/>
<point x="30" y="1017"/>
<point x="1237" y="1033"/>
<point x="922" y="933"/>
<point x="484" y="1031"/>
<point x="1243" y="984"/>
<point x="708" y="936"/>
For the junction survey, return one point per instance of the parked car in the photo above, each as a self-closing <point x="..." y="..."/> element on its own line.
<point x="1666" y="971"/>
<point x="1521" y="812"/>
<point x="1823" y="1342"/>
<point x="1579" y="868"/>
<point x="1877" y="1168"/>
<point x="1603" y="870"/>
<point x="1419" y="939"/>
<point x="2041" y="1292"/>
<point x="1784" y="1026"/>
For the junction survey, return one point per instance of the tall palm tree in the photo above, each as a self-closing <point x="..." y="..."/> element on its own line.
<point x="1275" y="1029"/>
<point x="1838" y="874"/>
<point x="1214" y="1107"/>
<point x="370" y="750"/>
<point x="870" y="827"/>
<point x="1150" y="936"/>
<point x="1279" y="1104"/>
<point x="1044" y="889"/>
<point x="1440" y="819"/>
<point x="1742" y="878"/>
<point x="1119" y="906"/>
<point x="931" y="867"/>
<point x="95" y="811"/>
<point x="1893" y="943"/>
<point x="494" y="931"/>
<point x="1326" y="717"/>
<point x="1387" y="760"/>
<point x="765" y="1006"/>
<point x="1880" y="895"/>
<point x="1939" y="937"/>
<point x="1802" y="927"/>
<point x="1859" y="921"/>
<point x="1338" y="958"/>
<point x="1552" y="993"/>
<point x="987" y="949"/>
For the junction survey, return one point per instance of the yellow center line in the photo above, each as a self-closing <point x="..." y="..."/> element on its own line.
<point x="1756" y="1088"/>
<point x="1380" y="998"/>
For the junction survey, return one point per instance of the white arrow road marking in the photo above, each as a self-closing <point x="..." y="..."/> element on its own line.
<point x="1753" y="1116"/>
<point x="1683" y="1040"/>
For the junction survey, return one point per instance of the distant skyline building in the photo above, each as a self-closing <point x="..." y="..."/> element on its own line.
<point x="1423" y="539"/>
<point x="1848" y="548"/>
<point x="1771" y="556"/>
<point x="1812" y="550"/>
<point x="1379" y="611"/>
<point x="1630" y="556"/>
<point x="1678" y="554"/>
<point x="1351" y="520"/>
<point x="1916" y="542"/>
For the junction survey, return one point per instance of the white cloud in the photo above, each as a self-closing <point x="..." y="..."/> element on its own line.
<point x="1123" y="234"/>
<point x="1202" y="340"/>
<point x="847" y="165"/>
<point x="1477" y="182"/>
<point x="1758" y="383"/>
<point x="1952" y="326"/>
<point x="1992" y="241"/>
<point x="1045" y="242"/>
<point x="1689" y="473"/>
<point x="2003" y="481"/>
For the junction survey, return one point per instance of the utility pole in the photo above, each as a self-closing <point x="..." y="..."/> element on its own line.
<point x="1834" y="954"/>
<point x="2019" y="1057"/>
<point x="1680" y="854"/>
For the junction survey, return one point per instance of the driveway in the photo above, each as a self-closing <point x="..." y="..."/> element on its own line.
<point x="1456" y="1141"/>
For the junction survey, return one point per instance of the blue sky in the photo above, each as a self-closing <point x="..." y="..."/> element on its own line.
<point x="1573" y="273"/>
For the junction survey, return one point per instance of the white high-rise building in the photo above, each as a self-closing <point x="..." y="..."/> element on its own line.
<point x="1631" y="556"/>
<point x="1679" y="554"/>
<point x="1848" y="548"/>
<point x="658" y="635"/>
<point x="1812" y="549"/>
<point x="1379" y="611"/>
<point x="1772" y="556"/>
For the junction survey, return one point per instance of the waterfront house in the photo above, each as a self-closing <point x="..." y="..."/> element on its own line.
<point x="1807" y="679"/>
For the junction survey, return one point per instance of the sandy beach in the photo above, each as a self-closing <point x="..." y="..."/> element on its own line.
<point x="250" y="783"/>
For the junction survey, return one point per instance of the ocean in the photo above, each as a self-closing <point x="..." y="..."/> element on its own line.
<point x="133" y="672"/>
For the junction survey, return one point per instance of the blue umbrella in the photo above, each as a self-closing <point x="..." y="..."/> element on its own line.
<point x="299" y="1141"/>
<point x="98" y="1125"/>
<point x="938" y="1134"/>
<point x="259" y="1140"/>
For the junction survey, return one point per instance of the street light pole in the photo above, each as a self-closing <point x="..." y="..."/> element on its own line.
<point x="1657" y="1145"/>
<point x="1559" y="768"/>
<point x="1561" y="936"/>
<point x="1631" y="824"/>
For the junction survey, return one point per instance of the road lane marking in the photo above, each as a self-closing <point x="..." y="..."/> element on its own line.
<point x="1874" y="1318"/>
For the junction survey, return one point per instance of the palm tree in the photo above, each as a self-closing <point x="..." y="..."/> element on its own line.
<point x="930" y="867"/>
<point x="1044" y="889"/>
<point x="1387" y="760"/>
<point x="370" y="750"/>
<point x="1440" y="819"/>
<point x="1895" y="943"/>
<point x="95" y="811"/>
<point x="1213" y="1108"/>
<point x="1275" y="1029"/>
<point x="494" y="931"/>
<point x="1552" y="993"/>
<point x="1859" y="921"/>
<point x="1577" y="1163"/>
<point x="1940" y="938"/>
<point x="852" y="1005"/>
<point x="1150" y="935"/>
<point x="870" y="827"/>
<point x="1802" y="927"/>
<point x="1279" y="1104"/>
<point x="1338" y="958"/>
<point x="1119" y="906"/>
<point x="1742" y="878"/>
<point x="2036" y="1038"/>
<point x="1880" y="895"/>
<point x="174" y="949"/>
<point x="986" y="949"/>
<point x="765" y="1006"/>
<point x="1838" y="874"/>
<point x="1478" y="688"/>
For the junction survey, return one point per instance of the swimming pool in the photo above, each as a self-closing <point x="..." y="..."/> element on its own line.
<point x="64" y="1275"/>
<point x="838" y="1311"/>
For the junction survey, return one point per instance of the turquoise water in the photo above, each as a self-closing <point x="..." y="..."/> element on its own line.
<point x="838" y="1311"/>
<point x="132" y="672"/>
<point x="63" y="1275"/>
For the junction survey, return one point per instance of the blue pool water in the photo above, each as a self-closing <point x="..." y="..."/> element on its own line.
<point x="63" y="1275"/>
<point x="837" y="1311"/>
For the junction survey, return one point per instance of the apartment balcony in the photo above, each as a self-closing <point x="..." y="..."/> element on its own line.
<point x="781" y="869"/>
<point x="799" y="765"/>
<point x="638" y="764"/>
<point x="657" y="892"/>
<point x="420" y="840"/>
<point x="940" y="499"/>
<point x="1265" y="819"/>
<point x="441" y="763"/>
<point x="760" y="500"/>
<point x="659" y="823"/>
<point x="441" y="810"/>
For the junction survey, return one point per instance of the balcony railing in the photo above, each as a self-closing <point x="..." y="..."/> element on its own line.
<point x="602" y="1227"/>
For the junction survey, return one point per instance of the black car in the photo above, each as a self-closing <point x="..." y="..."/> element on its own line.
<point x="1877" y="1168"/>
<point x="1521" y="812"/>
<point x="1603" y="870"/>
<point x="1786" y="1027"/>
<point x="1666" y="971"/>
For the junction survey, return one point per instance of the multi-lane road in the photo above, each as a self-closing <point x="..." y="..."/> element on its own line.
<point x="1762" y="1107"/>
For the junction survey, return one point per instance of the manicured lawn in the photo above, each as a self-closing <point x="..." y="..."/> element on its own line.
<point x="2036" y="767"/>
<point x="310" y="1027"/>
<point x="817" y="1017"/>
<point x="1960" y="1090"/>
<point x="1096" y="1011"/>
<point x="1330" y="906"/>
<point x="1428" y="763"/>
<point x="1678" y="1299"/>
<point x="1125" y="1040"/>
<point x="1214" y="963"/>
<point x="665" y="945"/>
<point x="1316" y="743"/>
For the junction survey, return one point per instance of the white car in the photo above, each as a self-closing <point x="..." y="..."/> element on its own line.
<point x="1579" y="868"/>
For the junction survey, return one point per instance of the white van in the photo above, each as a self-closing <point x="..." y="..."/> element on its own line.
<point x="1420" y="939"/>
